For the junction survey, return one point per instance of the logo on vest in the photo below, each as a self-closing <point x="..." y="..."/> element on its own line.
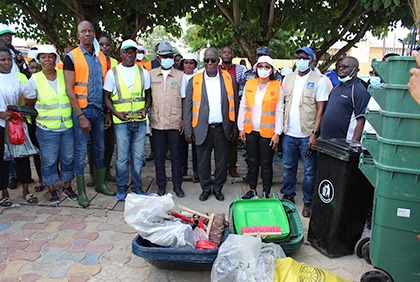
<point x="272" y="93"/>
<point x="326" y="191"/>
<point x="310" y="85"/>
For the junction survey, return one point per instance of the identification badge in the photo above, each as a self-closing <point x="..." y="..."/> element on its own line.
<point x="310" y="85"/>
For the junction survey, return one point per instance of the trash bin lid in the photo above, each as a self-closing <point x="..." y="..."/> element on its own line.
<point x="346" y="150"/>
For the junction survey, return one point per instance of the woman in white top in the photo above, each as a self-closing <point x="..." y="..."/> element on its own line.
<point x="260" y="122"/>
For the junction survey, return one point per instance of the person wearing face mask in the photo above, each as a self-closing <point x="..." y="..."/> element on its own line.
<point x="345" y="115"/>
<point x="166" y="117"/>
<point x="305" y="94"/>
<point x="140" y="61"/>
<point x="260" y="123"/>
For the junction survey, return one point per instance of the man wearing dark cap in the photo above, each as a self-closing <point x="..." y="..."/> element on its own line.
<point x="305" y="93"/>
<point x="166" y="117"/>
<point x="249" y="74"/>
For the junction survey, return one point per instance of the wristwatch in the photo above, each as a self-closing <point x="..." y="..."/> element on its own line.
<point x="316" y="133"/>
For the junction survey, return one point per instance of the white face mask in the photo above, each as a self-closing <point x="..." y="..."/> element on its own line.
<point x="166" y="63"/>
<point x="302" y="65"/>
<point x="139" y="56"/>
<point x="347" y="78"/>
<point x="263" y="72"/>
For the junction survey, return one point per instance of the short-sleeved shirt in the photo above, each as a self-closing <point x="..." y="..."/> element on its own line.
<point x="347" y="103"/>
<point x="10" y="90"/>
<point x="128" y="75"/>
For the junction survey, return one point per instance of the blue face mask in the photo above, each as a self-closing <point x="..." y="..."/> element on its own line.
<point x="166" y="63"/>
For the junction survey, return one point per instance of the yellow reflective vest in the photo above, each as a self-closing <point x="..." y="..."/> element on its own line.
<point x="126" y="101"/>
<point x="53" y="107"/>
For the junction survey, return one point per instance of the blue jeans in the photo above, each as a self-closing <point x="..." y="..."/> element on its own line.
<point x="130" y="138"/>
<point x="56" y="147"/>
<point x="292" y="149"/>
<point x="97" y="121"/>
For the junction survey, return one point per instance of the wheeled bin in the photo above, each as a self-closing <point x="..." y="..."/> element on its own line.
<point x="341" y="200"/>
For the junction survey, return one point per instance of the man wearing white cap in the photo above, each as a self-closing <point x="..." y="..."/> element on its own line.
<point x="127" y="96"/>
<point x="6" y="36"/>
<point x="84" y="70"/>
<point x="166" y="117"/>
<point x="140" y="61"/>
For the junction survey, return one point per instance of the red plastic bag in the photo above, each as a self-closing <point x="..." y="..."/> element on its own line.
<point x="205" y="245"/>
<point x="15" y="129"/>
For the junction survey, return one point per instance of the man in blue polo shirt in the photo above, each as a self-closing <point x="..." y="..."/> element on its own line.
<point x="344" y="116"/>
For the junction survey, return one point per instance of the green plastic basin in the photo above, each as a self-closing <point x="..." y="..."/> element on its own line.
<point x="260" y="212"/>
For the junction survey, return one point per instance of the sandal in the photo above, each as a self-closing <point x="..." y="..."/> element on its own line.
<point x="31" y="199"/>
<point x="5" y="202"/>
<point x="39" y="187"/>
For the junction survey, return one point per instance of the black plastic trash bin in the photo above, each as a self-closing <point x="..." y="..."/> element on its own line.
<point x="342" y="198"/>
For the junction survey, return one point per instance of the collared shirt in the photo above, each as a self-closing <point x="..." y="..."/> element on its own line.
<point x="346" y="103"/>
<point x="214" y="96"/>
<point x="95" y="94"/>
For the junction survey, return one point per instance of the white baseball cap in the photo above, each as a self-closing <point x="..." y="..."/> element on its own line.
<point x="129" y="43"/>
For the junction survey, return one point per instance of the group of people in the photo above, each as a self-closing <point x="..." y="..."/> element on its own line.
<point x="92" y="94"/>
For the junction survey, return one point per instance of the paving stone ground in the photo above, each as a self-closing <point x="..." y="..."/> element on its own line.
<point x="65" y="242"/>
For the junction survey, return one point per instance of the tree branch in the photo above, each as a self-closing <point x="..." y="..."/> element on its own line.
<point x="225" y="11"/>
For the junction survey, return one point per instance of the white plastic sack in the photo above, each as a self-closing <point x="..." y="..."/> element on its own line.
<point x="149" y="215"/>
<point x="245" y="259"/>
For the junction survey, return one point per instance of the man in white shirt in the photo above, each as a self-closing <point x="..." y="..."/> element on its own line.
<point x="305" y="93"/>
<point x="210" y="119"/>
<point x="127" y="96"/>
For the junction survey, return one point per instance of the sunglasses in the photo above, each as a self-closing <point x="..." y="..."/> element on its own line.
<point x="104" y="44"/>
<point x="303" y="57"/>
<point x="343" y="66"/>
<point x="207" y="60"/>
<point x="167" y="56"/>
<point x="267" y="68"/>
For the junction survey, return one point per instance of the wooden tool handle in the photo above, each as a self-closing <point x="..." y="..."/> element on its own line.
<point x="193" y="212"/>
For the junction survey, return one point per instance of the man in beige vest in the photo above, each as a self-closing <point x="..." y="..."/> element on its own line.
<point x="166" y="117"/>
<point x="305" y="93"/>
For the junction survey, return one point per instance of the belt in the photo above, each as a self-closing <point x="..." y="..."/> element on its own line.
<point x="216" y="125"/>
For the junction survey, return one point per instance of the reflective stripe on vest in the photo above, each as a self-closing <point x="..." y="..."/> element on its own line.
<point x="268" y="110"/>
<point x="196" y="96"/>
<point x="126" y="101"/>
<point x="53" y="108"/>
<point x="81" y="75"/>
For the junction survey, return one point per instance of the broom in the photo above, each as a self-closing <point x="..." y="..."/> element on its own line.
<point x="263" y="231"/>
<point x="215" y="226"/>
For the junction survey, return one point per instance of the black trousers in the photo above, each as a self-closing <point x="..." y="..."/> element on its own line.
<point x="23" y="171"/>
<point x="215" y="140"/>
<point x="260" y="154"/>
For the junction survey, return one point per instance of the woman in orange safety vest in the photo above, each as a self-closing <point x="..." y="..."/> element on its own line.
<point x="260" y="122"/>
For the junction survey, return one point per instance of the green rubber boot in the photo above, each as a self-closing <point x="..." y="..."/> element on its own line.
<point x="100" y="182"/>
<point x="81" y="191"/>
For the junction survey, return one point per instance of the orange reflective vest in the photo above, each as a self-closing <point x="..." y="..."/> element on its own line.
<point x="196" y="96"/>
<point x="81" y="75"/>
<point x="144" y="64"/>
<point x="268" y="111"/>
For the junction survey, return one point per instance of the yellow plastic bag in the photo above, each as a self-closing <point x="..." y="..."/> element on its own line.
<point x="287" y="270"/>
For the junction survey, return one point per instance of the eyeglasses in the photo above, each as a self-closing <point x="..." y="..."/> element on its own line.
<point x="188" y="63"/>
<point x="267" y="68"/>
<point x="343" y="66"/>
<point x="303" y="57"/>
<point x="167" y="56"/>
<point x="104" y="44"/>
<point x="207" y="60"/>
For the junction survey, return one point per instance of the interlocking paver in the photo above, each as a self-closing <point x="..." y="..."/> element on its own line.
<point x="79" y="268"/>
<point x="72" y="226"/>
<point x="78" y="245"/>
<point x="78" y="277"/>
<point x="91" y="258"/>
<point x="57" y="245"/>
<point x="86" y="235"/>
<point x="36" y="226"/>
<point x="4" y="226"/>
<point x="98" y="247"/>
<point x="25" y="235"/>
<point x="16" y="245"/>
<point x="36" y="245"/>
<point x="31" y="277"/>
<point x="12" y="270"/>
<point x="24" y="255"/>
<point x="110" y="227"/>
